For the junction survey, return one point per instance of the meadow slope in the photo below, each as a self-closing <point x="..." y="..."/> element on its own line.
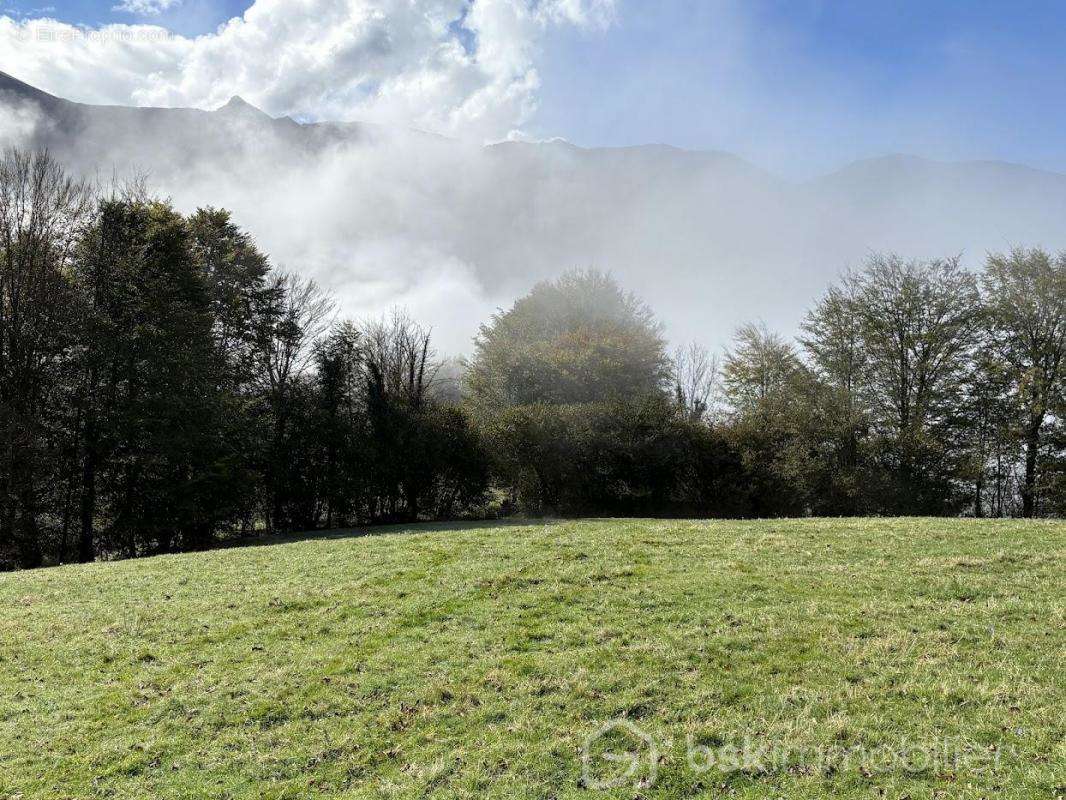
<point x="860" y="658"/>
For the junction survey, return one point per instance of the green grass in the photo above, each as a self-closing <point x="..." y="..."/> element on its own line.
<point x="476" y="661"/>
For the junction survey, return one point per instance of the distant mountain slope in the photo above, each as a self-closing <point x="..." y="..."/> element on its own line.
<point x="454" y="229"/>
<point x="13" y="90"/>
<point x="906" y="203"/>
<point x="121" y="135"/>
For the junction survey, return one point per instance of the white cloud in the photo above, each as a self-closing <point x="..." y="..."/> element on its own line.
<point x="145" y="7"/>
<point x="461" y="67"/>
<point x="379" y="225"/>
<point x="17" y="123"/>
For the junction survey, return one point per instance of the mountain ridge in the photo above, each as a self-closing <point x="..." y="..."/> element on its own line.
<point x="22" y="90"/>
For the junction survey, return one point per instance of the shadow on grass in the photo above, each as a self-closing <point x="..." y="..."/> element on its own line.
<point x="401" y="529"/>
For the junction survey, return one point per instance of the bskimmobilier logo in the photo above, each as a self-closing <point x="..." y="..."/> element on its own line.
<point x="621" y="755"/>
<point x="617" y="755"/>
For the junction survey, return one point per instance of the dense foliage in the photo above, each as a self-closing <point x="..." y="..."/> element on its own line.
<point x="163" y="388"/>
<point x="579" y="339"/>
<point x="621" y="458"/>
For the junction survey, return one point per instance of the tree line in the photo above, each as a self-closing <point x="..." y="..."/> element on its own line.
<point x="164" y="388"/>
<point x="916" y="387"/>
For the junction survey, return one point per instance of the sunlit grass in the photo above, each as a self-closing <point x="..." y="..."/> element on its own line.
<point x="476" y="661"/>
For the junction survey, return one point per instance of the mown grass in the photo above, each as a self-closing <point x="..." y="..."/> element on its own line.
<point x="476" y="661"/>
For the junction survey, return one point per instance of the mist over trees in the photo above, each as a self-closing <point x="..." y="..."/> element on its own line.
<point x="164" y="388"/>
<point x="578" y="339"/>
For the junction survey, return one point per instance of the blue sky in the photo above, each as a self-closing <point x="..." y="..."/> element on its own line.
<point x="795" y="85"/>
<point x="818" y="83"/>
<point x="188" y="17"/>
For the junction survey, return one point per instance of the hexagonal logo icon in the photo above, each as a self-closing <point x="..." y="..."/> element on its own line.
<point x="617" y="755"/>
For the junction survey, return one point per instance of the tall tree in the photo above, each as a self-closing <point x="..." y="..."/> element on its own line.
<point x="759" y="370"/>
<point x="42" y="211"/>
<point x="106" y="275"/>
<point x="832" y="342"/>
<point x="919" y="323"/>
<point x="767" y="388"/>
<point x="1025" y="293"/>
<point x="237" y="277"/>
<point x="987" y="424"/>
<point x="295" y="314"/>
<point x="163" y="464"/>
<point x="400" y="367"/>
<point x="341" y="409"/>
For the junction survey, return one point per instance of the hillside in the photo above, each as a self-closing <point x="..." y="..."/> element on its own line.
<point x="476" y="661"/>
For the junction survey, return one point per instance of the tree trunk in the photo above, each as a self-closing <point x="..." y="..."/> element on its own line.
<point x="28" y="536"/>
<point x="1032" y="445"/>
<point x="86" y="539"/>
<point x="277" y="470"/>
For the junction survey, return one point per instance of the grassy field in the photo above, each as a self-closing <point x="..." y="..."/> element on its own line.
<point x="816" y="658"/>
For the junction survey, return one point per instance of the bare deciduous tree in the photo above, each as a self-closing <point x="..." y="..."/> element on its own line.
<point x="696" y="381"/>
<point x="297" y="314"/>
<point x="398" y="357"/>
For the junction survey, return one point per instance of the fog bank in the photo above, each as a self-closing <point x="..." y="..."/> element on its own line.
<point x="453" y="230"/>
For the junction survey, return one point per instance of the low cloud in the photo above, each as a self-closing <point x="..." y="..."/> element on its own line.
<point x="18" y="123"/>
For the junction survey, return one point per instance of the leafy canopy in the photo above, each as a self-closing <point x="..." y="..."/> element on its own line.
<point x="578" y="339"/>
